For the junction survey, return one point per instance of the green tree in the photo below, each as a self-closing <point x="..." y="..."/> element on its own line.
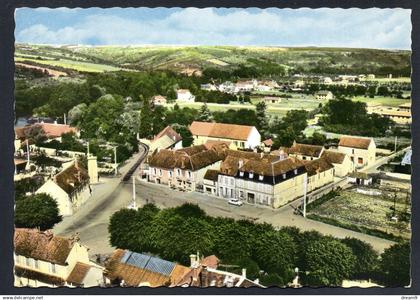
<point x="261" y="115"/>
<point x="328" y="262"/>
<point x="395" y="265"/>
<point x="272" y="279"/>
<point x="185" y="133"/>
<point x="146" y="121"/>
<point x="205" y="114"/>
<point x="37" y="211"/>
<point x="366" y="257"/>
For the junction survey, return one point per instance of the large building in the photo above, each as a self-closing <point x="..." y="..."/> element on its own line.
<point x="168" y="138"/>
<point x="184" y="169"/>
<point x="238" y="136"/>
<point x="70" y="188"/>
<point x="362" y="151"/>
<point x="183" y="95"/>
<point x="44" y="260"/>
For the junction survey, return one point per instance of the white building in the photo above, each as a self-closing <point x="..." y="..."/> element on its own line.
<point x="70" y="188"/>
<point x="237" y="136"/>
<point x="183" y="95"/>
<point x="362" y="151"/>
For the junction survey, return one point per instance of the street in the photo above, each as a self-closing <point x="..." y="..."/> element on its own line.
<point x="91" y="221"/>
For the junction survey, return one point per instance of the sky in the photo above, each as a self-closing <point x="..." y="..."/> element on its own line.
<point x="358" y="28"/>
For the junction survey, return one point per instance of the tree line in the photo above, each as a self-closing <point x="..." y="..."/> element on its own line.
<point x="268" y="254"/>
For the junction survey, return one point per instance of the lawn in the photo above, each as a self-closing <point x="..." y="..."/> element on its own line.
<point x="385" y="80"/>
<point x="365" y="213"/>
<point x="71" y="64"/>
<point x="379" y="100"/>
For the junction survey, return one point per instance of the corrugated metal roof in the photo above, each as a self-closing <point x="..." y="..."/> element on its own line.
<point x="148" y="262"/>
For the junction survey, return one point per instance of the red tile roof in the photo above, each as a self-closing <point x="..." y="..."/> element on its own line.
<point x="170" y="132"/>
<point x="78" y="274"/>
<point x="72" y="178"/>
<point x="221" y="130"/>
<point x="354" y="142"/>
<point x="42" y="245"/>
<point x="333" y="157"/>
<point x="305" y="149"/>
<point x="51" y="130"/>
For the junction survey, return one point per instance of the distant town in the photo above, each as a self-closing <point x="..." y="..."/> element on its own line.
<point x="211" y="174"/>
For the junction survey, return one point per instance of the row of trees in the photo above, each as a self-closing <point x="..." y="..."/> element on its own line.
<point x="268" y="254"/>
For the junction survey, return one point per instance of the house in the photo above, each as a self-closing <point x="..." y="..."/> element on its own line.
<point x="327" y="80"/>
<point x="168" y="138"/>
<point x="210" y="186"/>
<point x="405" y="107"/>
<point x="184" y="95"/>
<point x="341" y="162"/>
<point x="371" y="76"/>
<point x="324" y="95"/>
<point x="267" y="144"/>
<point x="51" y="130"/>
<point x="245" y="86"/>
<point x="208" y="87"/>
<point x="204" y="273"/>
<point x="305" y="151"/>
<point x="239" y="136"/>
<point x="184" y="169"/>
<point x="70" y="188"/>
<point x="272" y="100"/>
<point x="362" y="151"/>
<point x="45" y="260"/>
<point x="131" y="269"/>
<point x="320" y="172"/>
<point x="227" y="87"/>
<point x="159" y="100"/>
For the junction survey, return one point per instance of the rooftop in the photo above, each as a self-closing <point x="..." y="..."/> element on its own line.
<point x="221" y="130"/>
<point x="333" y="157"/>
<point x="305" y="149"/>
<point x="354" y="142"/>
<point x="42" y="245"/>
<point x="72" y="178"/>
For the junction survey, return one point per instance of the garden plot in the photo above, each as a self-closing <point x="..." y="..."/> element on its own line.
<point x="365" y="213"/>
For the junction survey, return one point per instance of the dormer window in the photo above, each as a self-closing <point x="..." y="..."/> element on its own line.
<point x="241" y="174"/>
<point x="284" y="176"/>
<point x="251" y="175"/>
<point x="261" y="177"/>
<point x="295" y="171"/>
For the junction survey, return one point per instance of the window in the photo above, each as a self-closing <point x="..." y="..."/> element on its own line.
<point x="295" y="171"/>
<point x="261" y="177"/>
<point x="304" y="157"/>
<point x="160" y="172"/>
<point x="360" y="160"/>
<point x="231" y="181"/>
<point x="27" y="261"/>
<point x="352" y="151"/>
<point x="154" y="171"/>
<point x="241" y="174"/>
<point x="226" y="180"/>
<point x="52" y="268"/>
<point x="178" y="172"/>
<point x="284" y="176"/>
<point x="251" y="175"/>
<point x="189" y="174"/>
<point x="170" y="173"/>
<point x="36" y="264"/>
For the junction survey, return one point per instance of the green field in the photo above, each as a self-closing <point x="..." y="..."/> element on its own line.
<point x="386" y="80"/>
<point x="71" y="64"/>
<point x="379" y="100"/>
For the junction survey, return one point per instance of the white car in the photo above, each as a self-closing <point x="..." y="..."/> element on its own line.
<point x="236" y="202"/>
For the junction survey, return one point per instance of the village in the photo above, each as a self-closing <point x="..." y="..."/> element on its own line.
<point x="225" y="163"/>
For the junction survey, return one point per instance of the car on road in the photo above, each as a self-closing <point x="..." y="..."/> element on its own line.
<point x="235" y="202"/>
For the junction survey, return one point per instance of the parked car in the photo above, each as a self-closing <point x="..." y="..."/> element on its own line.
<point x="236" y="202"/>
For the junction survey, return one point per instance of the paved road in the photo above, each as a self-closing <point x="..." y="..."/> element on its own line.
<point x="91" y="221"/>
<point x="382" y="161"/>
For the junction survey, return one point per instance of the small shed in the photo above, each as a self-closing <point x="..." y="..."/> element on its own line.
<point x="360" y="178"/>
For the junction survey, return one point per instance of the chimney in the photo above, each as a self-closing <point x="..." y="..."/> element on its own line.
<point x="244" y="273"/>
<point x="261" y="154"/>
<point x="49" y="234"/>
<point x="193" y="261"/>
<point x="240" y="163"/>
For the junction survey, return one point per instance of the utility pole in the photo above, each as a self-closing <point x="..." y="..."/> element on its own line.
<point x="305" y="188"/>
<point x="395" y="144"/>
<point x="115" y="160"/>
<point x="65" y="120"/>
<point x="134" y="192"/>
<point x="88" y="149"/>
<point x="28" y="155"/>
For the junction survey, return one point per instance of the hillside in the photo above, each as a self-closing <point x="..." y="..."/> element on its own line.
<point x="190" y="58"/>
